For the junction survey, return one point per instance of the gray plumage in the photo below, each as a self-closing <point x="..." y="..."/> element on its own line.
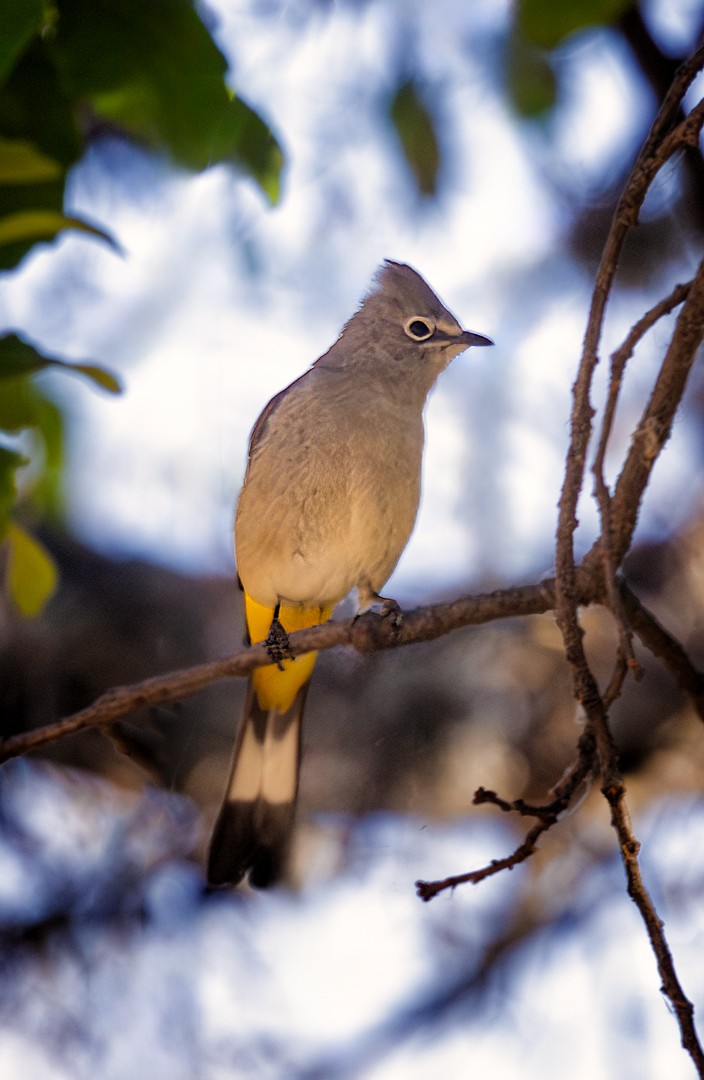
<point x="329" y="501"/>
<point x="333" y="483"/>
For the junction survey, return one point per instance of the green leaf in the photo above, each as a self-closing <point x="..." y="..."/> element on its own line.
<point x="25" y="408"/>
<point x="32" y="576"/>
<point x="18" y="357"/>
<point x="47" y="492"/>
<point x="34" y="105"/>
<point x="99" y="375"/>
<point x="23" y="163"/>
<point x="415" y="128"/>
<point x="37" y="225"/>
<point x="254" y="146"/>
<point x="546" y="23"/>
<point x="153" y="70"/>
<point x="20" y="20"/>
<point x="10" y="462"/>
<point x="18" y="404"/>
<point x="530" y="80"/>
<point x="36" y="115"/>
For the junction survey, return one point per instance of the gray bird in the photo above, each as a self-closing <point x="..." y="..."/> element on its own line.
<point x="328" y="503"/>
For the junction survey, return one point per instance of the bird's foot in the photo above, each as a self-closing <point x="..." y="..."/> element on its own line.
<point x="277" y="643"/>
<point x="383" y="606"/>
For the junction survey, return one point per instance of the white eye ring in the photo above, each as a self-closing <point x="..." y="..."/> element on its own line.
<point x="419" y="328"/>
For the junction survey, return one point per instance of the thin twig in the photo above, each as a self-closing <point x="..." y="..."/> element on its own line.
<point x="548" y="815"/>
<point x="665" y="646"/>
<point x="655" y="425"/>
<point x="426" y="890"/>
<point x="615" y="794"/>
<point x="613" y="690"/>
<point x="619" y="359"/>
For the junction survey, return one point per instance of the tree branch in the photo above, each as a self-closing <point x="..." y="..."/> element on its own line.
<point x="366" y="634"/>
<point x="620" y="514"/>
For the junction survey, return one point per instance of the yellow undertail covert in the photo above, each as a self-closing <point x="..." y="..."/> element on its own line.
<point x="277" y="689"/>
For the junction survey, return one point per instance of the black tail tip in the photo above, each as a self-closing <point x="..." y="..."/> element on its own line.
<point x="251" y="839"/>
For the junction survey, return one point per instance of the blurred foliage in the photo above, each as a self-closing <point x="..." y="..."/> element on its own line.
<point x="538" y="27"/>
<point x="31" y="573"/>
<point x="415" y="127"/>
<point x="69" y="71"/>
<point x="546" y="23"/>
<point x="10" y="461"/>
<point x="18" y="357"/>
<point x="543" y="52"/>
<point x="531" y="82"/>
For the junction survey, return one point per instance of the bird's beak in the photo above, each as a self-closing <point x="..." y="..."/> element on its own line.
<point x="468" y="338"/>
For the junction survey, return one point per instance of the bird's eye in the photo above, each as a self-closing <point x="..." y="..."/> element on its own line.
<point x="419" y="329"/>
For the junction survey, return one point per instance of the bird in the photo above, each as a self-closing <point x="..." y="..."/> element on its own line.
<point x="328" y="503"/>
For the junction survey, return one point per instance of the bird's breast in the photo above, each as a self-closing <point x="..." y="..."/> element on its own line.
<point x="329" y="501"/>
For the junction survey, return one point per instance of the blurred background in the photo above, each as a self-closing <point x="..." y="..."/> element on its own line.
<point x="202" y="250"/>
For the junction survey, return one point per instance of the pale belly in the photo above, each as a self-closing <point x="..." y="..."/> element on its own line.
<point x="319" y="528"/>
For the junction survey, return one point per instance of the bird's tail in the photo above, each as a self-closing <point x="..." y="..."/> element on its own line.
<point x="253" y="830"/>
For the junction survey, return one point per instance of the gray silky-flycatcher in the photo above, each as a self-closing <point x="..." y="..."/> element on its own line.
<point x="328" y="503"/>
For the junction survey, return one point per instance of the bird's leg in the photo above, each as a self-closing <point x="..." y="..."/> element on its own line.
<point x="276" y="641"/>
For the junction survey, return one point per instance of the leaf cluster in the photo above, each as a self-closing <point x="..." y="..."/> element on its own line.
<point x="70" y="72"/>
